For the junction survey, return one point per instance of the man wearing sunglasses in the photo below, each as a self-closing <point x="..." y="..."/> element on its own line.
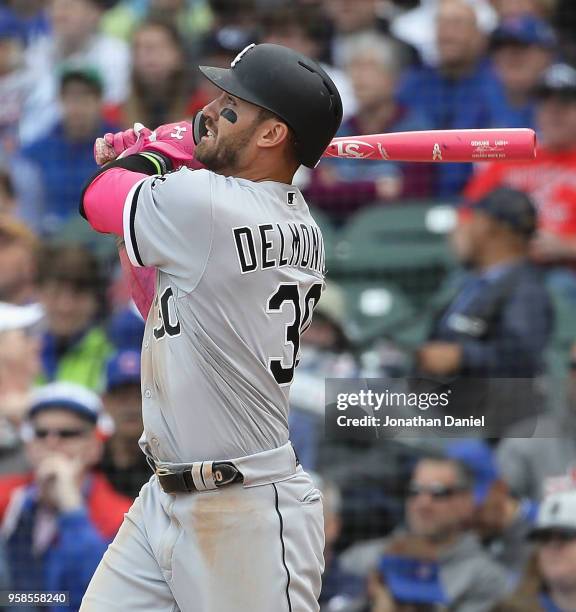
<point x="58" y="519"/>
<point x="438" y="515"/>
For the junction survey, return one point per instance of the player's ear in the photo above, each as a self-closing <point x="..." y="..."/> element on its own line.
<point x="272" y="133"/>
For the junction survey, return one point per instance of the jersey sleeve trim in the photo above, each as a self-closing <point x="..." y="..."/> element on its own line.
<point x="129" y="215"/>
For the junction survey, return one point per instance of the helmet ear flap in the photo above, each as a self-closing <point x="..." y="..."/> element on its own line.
<point x="199" y="127"/>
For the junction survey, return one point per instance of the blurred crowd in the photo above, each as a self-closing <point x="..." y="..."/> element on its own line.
<point x="411" y="524"/>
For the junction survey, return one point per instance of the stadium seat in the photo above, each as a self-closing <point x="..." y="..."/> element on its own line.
<point x="376" y="309"/>
<point x="404" y="244"/>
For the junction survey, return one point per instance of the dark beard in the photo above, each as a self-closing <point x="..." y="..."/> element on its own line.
<point x="218" y="158"/>
<point x="223" y="159"/>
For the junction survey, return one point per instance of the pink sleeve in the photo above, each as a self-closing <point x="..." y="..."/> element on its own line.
<point x="142" y="283"/>
<point x="105" y="197"/>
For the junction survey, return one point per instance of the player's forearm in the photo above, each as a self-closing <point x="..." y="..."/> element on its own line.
<point x="103" y="200"/>
<point x="103" y="197"/>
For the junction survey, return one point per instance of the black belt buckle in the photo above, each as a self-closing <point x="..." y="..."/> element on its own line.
<point x="223" y="472"/>
<point x="175" y="482"/>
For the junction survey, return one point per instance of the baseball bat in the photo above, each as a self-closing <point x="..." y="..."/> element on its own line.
<point x="439" y="146"/>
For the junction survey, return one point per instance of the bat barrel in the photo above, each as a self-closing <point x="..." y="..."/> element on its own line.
<point x="439" y="146"/>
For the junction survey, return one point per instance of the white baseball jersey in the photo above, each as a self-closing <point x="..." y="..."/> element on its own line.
<point x="240" y="269"/>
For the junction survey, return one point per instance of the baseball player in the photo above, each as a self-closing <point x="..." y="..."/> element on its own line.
<point x="229" y="522"/>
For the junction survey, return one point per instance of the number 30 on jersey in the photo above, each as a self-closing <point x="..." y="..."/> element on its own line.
<point x="168" y="325"/>
<point x="288" y="295"/>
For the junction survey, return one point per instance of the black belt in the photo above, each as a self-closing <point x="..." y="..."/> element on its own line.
<point x="224" y="473"/>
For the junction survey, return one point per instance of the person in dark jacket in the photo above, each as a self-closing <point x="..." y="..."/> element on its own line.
<point x="488" y="342"/>
<point x="500" y="318"/>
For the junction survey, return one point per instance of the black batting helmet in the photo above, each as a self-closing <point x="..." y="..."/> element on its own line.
<point x="290" y="85"/>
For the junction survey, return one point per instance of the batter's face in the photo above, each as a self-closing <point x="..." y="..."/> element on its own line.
<point x="230" y="142"/>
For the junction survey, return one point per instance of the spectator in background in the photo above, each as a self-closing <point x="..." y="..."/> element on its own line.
<point x="21" y="190"/>
<point x="160" y="87"/>
<point x="65" y="156"/>
<point x="543" y="460"/>
<point x="522" y="49"/>
<point x="191" y="17"/>
<point x="456" y="93"/>
<point x="18" y="262"/>
<point x="549" y="584"/>
<point x="123" y="463"/>
<point x="15" y="80"/>
<point x="413" y="26"/>
<point x="126" y="329"/>
<point x="341" y="591"/>
<point x="501" y="519"/>
<point x="351" y="20"/>
<point x="490" y="337"/>
<point x="516" y="8"/>
<point x="304" y="29"/>
<point x="340" y="186"/>
<point x="19" y="367"/>
<point x="500" y="318"/>
<point x="550" y="179"/>
<point x="235" y="13"/>
<point x="439" y="511"/>
<point x="31" y="15"/>
<point x="75" y="41"/>
<point x="59" y="518"/>
<point x="564" y="21"/>
<point x="74" y="345"/>
<point x="219" y="49"/>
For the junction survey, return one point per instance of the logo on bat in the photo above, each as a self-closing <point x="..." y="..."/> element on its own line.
<point x="383" y="152"/>
<point x="436" y="153"/>
<point x="351" y="148"/>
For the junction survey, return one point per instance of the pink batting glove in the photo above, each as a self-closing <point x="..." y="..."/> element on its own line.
<point x="173" y="140"/>
<point x="112" y="146"/>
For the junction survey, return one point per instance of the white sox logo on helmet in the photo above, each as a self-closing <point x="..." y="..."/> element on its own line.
<point x="240" y="55"/>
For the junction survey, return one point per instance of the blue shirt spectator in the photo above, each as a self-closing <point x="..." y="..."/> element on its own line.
<point x="59" y="518"/>
<point x="522" y="48"/>
<point x="343" y="185"/>
<point x="64" y="157"/>
<point x="31" y="17"/>
<point x="448" y="102"/>
<point x="456" y="93"/>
